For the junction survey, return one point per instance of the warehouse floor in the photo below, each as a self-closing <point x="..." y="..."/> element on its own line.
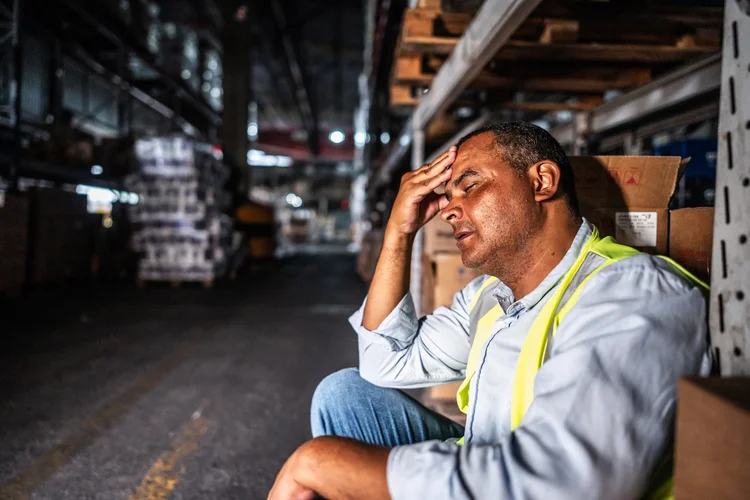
<point x="118" y="393"/>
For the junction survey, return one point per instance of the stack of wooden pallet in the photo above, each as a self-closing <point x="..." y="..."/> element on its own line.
<point x="563" y="57"/>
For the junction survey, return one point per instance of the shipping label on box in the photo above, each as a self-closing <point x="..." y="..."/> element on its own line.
<point x="636" y="229"/>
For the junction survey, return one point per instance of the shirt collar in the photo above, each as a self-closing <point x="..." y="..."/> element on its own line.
<point x="504" y="295"/>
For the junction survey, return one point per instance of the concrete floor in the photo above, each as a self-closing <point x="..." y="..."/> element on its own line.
<point x="121" y="393"/>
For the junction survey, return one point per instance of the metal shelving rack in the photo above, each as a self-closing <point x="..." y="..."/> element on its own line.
<point x="730" y="280"/>
<point x="686" y="95"/>
<point x="125" y="92"/>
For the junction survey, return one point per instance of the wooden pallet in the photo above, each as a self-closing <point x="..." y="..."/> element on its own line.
<point x="579" y="52"/>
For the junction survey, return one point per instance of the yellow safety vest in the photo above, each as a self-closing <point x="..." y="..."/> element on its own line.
<point x="484" y="311"/>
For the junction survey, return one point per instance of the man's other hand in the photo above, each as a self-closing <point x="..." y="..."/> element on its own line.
<point x="334" y="468"/>
<point x="286" y="486"/>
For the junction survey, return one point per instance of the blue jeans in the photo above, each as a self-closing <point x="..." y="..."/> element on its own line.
<point x="346" y="405"/>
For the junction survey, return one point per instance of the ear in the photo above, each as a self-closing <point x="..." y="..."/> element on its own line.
<point x="545" y="179"/>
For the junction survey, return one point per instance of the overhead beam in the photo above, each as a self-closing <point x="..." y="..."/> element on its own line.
<point x="491" y="28"/>
<point x="669" y="91"/>
<point x="301" y="92"/>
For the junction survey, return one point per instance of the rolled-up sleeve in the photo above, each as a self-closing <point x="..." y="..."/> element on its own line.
<point x="603" y="409"/>
<point x="408" y="352"/>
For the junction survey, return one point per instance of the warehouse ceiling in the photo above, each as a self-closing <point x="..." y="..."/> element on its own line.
<point x="297" y="47"/>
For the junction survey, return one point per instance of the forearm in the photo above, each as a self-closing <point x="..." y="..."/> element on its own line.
<point x="391" y="279"/>
<point x="338" y="468"/>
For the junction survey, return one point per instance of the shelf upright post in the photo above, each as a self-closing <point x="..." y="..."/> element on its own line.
<point x="730" y="277"/>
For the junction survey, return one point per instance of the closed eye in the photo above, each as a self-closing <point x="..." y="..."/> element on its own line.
<point x="470" y="186"/>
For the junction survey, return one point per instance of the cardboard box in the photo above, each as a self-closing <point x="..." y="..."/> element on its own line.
<point x="627" y="196"/>
<point x="691" y="233"/>
<point x="712" y="448"/>
<point x="443" y="275"/>
<point x="438" y="238"/>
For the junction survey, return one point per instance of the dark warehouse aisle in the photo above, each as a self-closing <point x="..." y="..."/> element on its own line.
<point x="170" y="393"/>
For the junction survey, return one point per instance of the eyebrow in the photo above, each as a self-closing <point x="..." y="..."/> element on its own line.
<point x="464" y="175"/>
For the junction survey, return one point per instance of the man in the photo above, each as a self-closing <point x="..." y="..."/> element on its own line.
<point x="569" y="347"/>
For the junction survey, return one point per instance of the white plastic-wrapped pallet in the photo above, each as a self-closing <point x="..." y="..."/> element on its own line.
<point x="179" y="221"/>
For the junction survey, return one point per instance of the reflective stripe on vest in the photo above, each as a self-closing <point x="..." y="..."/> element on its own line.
<point x="484" y="311"/>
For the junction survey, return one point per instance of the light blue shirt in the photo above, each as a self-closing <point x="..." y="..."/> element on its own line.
<point x="603" y="411"/>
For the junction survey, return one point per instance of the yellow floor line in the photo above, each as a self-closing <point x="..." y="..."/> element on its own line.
<point x="163" y="476"/>
<point x="22" y="485"/>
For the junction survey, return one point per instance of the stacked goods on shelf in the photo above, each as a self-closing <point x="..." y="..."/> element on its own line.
<point x="65" y="146"/>
<point x="178" y="53"/>
<point x="62" y="237"/>
<point x="179" y="225"/>
<point x="14" y="216"/>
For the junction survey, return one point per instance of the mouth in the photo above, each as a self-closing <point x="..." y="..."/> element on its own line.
<point x="462" y="237"/>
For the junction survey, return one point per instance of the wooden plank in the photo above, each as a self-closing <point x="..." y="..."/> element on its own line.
<point x="655" y="27"/>
<point x="421" y="71"/>
<point x="559" y="31"/>
<point x="600" y="52"/>
<point x="584" y="105"/>
<point x="594" y="52"/>
<point x="401" y="95"/>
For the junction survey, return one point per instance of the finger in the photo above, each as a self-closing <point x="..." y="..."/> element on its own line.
<point x="442" y="163"/>
<point x="425" y="168"/>
<point x="442" y="202"/>
<point x="444" y="155"/>
<point x="429" y="184"/>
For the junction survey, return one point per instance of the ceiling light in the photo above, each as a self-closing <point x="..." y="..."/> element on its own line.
<point x="185" y="74"/>
<point x="336" y="137"/>
<point x="252" y="130"/>
<point x="404" y="140"/>
<point x="97" y="170"/>
<point x="385" y="137"/>
<point x="360" y="138"/>
<point x="258" y="158"/>
<point x="464" y="112"/>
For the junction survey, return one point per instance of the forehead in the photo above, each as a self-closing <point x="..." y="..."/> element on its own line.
<point x="479" y="153"/>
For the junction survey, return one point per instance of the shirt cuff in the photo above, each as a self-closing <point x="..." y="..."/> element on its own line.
<point x="424" y="470"/>
<point x="398" y="328"/>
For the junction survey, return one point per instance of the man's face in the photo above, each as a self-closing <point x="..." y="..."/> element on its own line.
<point x="491" y="207"/>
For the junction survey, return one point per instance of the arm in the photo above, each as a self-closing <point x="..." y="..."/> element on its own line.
<point x="333" y="468"/>
<point x="604" y="402"/>
<point x="415" y="205"/>
<point x="396" y="348"/>
<point x="408" y="352"/>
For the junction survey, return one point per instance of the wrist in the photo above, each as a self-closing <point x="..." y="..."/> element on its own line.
<point x="393" y="238"/>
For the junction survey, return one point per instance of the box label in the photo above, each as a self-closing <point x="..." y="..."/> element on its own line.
<point x="637" y="229"/>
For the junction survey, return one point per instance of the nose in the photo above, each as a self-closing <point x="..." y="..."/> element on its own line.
<point x="452" y="212"/>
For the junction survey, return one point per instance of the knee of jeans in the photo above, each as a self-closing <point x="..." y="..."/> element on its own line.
<point x="328" y="397"/>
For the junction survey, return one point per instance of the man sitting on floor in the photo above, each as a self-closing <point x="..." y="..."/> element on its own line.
<point x="569" y="348"/>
